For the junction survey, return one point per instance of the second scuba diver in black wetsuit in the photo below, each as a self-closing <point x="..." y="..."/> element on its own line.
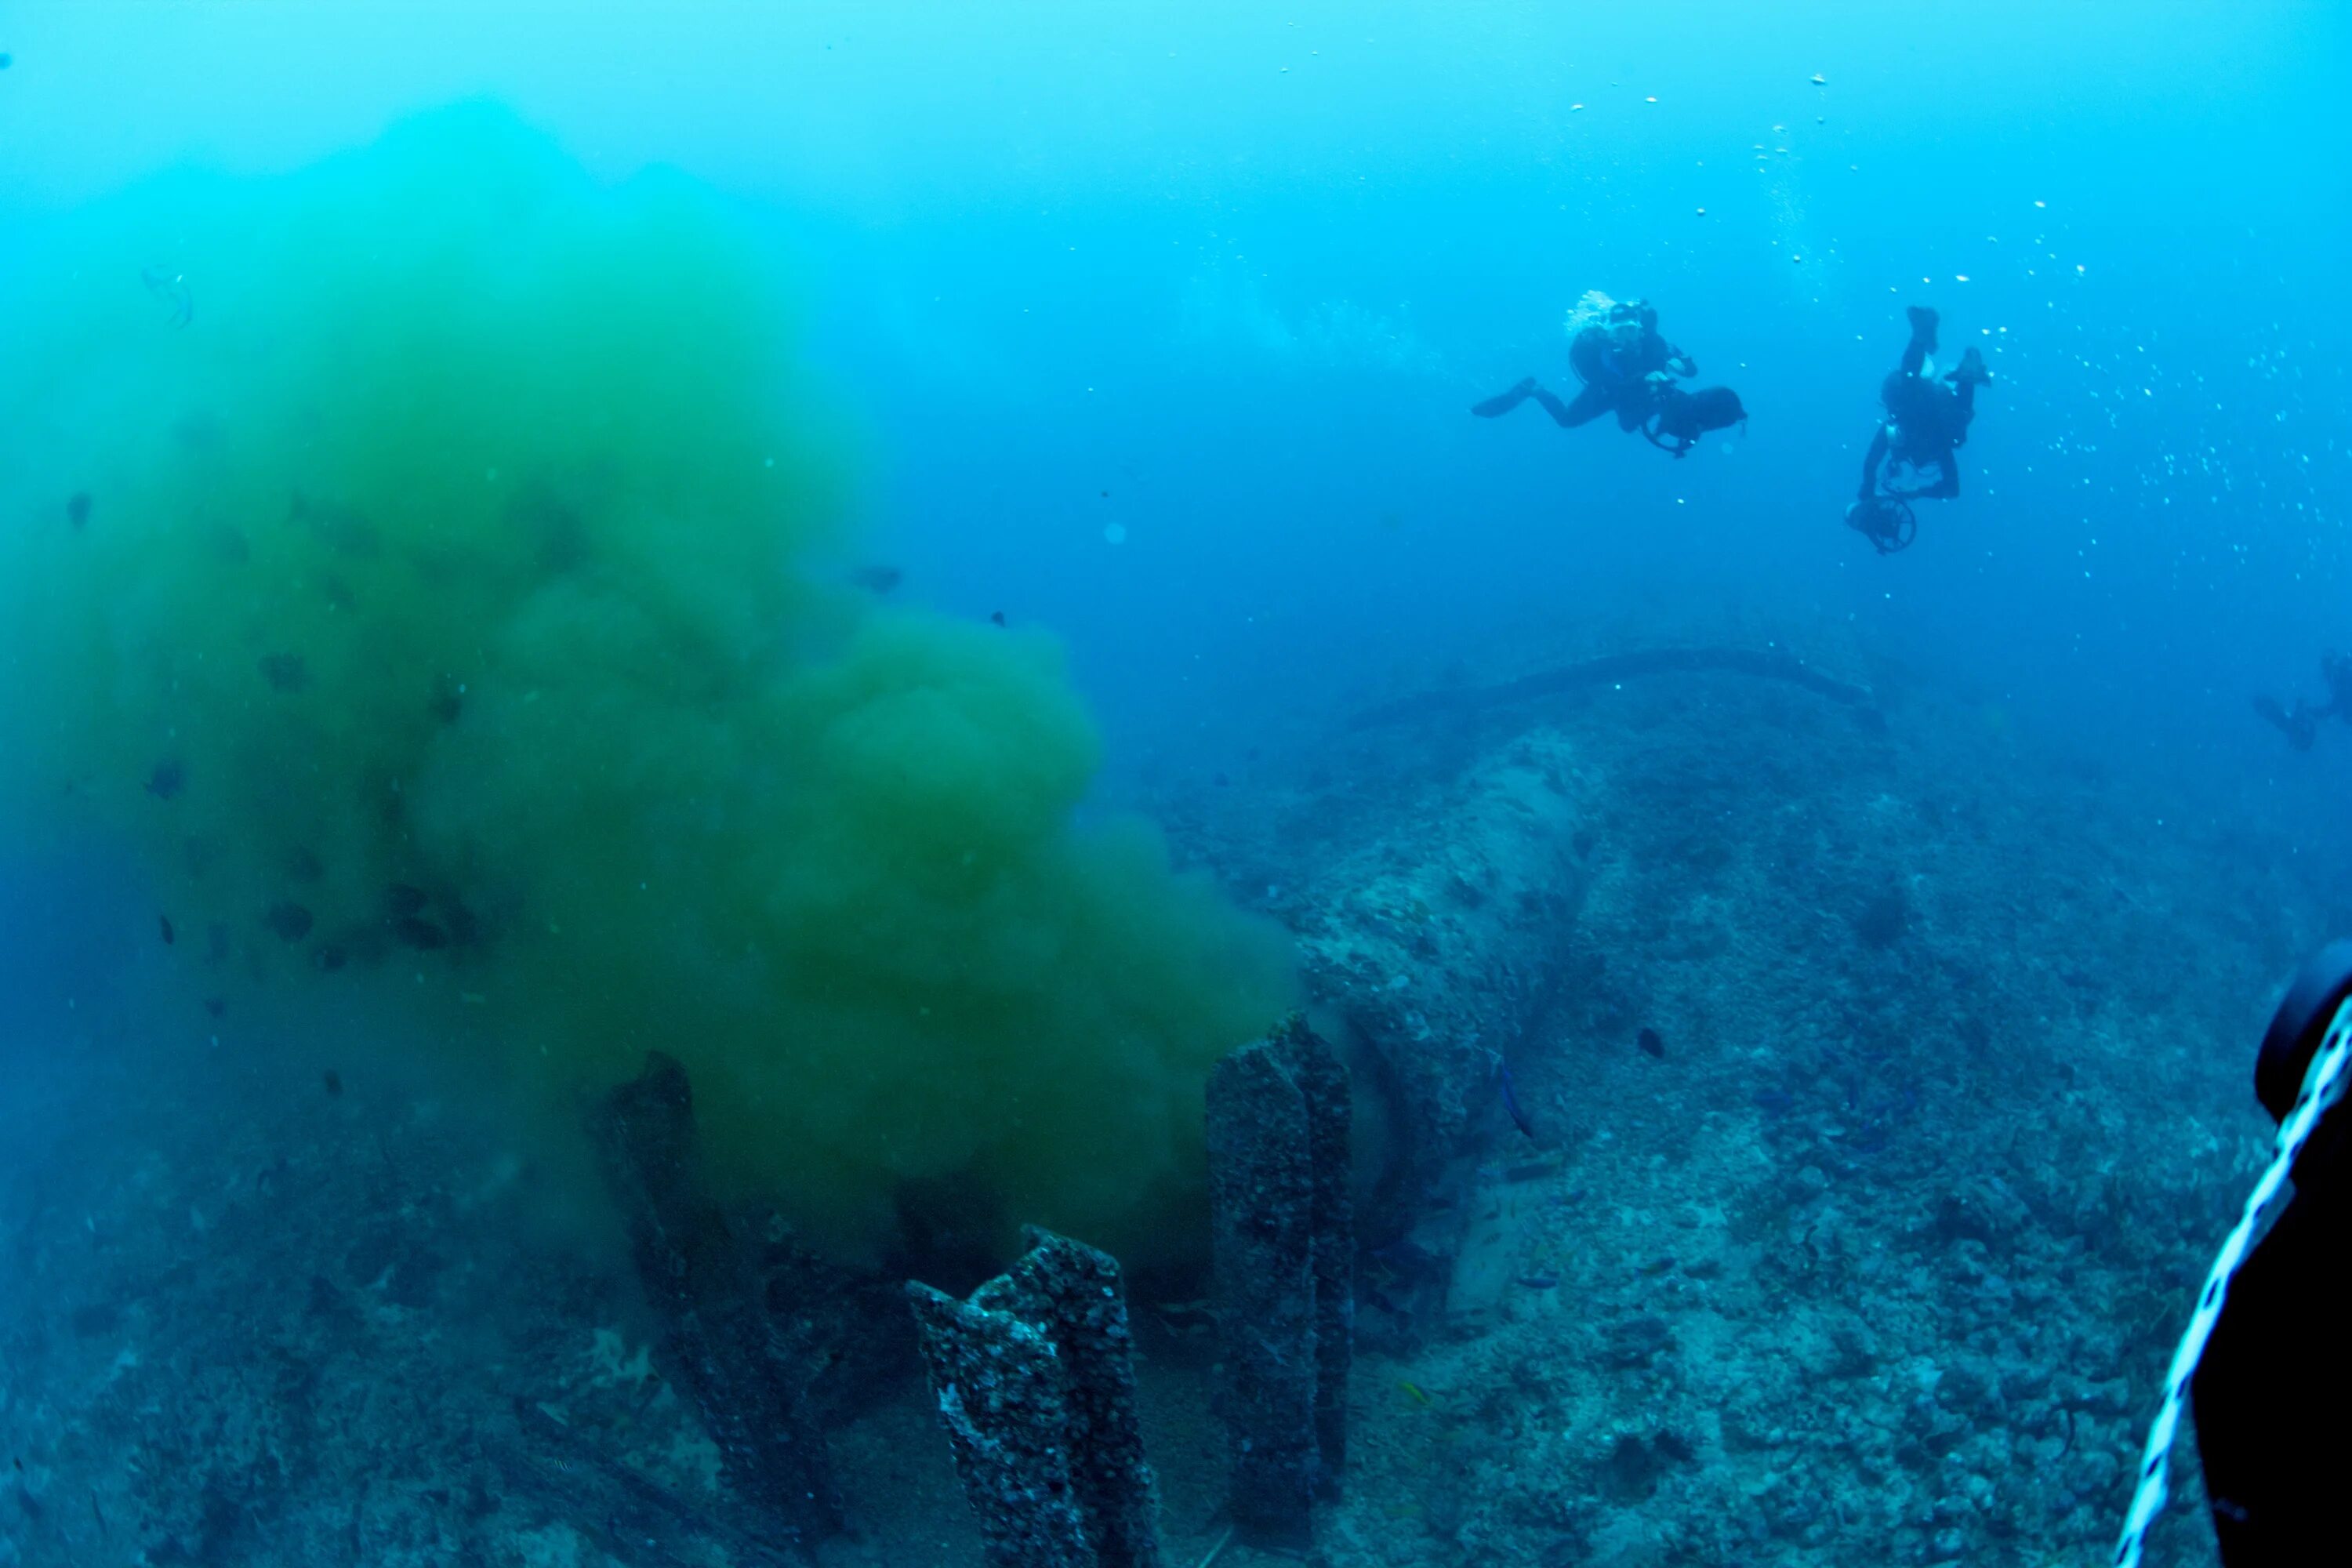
<point x="1926" y="422"/>
<point x="1926" y="425"/>
<point x="1629" y="369"/>
<point x="2299" y="721"/>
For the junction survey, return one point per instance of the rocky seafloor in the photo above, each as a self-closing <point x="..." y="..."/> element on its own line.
<point x="1886" y="1088"/>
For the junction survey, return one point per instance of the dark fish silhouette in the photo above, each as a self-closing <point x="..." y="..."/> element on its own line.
<point x="1511" y="1103"/>
<point x="166" y="780"/>
<point x="285" y="671"/>
<point x="996" y="617"/>
<point x="1650" y="1042"/>
<point x="165" y="922"/>
<point x="289" y="919"/>
<point x="172" y="288"/>
<point x="420" y="933"/>
<point x="332" y="958"/>
<point x="334" y="1082"/>
<point x="877" y="579"/>
<point x="78" y="509"/>
<point x="215" y="1005"/>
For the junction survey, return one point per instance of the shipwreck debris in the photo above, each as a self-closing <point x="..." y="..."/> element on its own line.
<point x="1283" y="1246"/>
<point x="716" y="1344"/>
<point x="1035" y="1383"/>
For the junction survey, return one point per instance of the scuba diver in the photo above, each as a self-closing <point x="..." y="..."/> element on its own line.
<point x="1925" y="426"/>
<point x="1628" y="370"/>
<point x="2299" y="722"/>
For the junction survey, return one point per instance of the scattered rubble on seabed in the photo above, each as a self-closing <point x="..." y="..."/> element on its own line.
<point x="1865" y="1138"/>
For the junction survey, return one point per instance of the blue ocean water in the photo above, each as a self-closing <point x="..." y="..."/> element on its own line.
<point x="1153" y="330"/>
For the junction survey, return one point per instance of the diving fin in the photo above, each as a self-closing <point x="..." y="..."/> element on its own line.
<point x="1923" y="325"/>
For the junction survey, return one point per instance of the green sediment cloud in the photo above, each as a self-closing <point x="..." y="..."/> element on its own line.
<point x="440" y="620"/>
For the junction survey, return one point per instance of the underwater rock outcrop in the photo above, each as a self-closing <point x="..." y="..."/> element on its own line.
<point x="1034" y="1380"/>
<point x="1283" y="1247"/>
<point x="716" y="1344"/>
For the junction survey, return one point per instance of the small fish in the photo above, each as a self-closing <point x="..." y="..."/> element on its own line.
<point x="1414" y="1390"/>
<point x="215" y="1005"/>
<point x="1540" y="1281"/>
<point x="172" y="288"/>
<point x="1650" y="1042"/>
<point x="289" y="919"/>
<point x="419" y="934"/>
<point x="1407" y="1258"/>
<point x="996" y="617"/>
<point x="165" y="922"/>
<point x="877" y="579"/>
<point x="334" y="1082"/>
<point x="285" y="671"/>
<point x="332" y="958"/>
<point x="166" y="780"/>
<point x="1511" y="1103"/>
<point x="77" y="510"/>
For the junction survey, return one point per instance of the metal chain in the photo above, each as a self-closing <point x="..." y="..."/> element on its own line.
<point x="2323" y="1086"/>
